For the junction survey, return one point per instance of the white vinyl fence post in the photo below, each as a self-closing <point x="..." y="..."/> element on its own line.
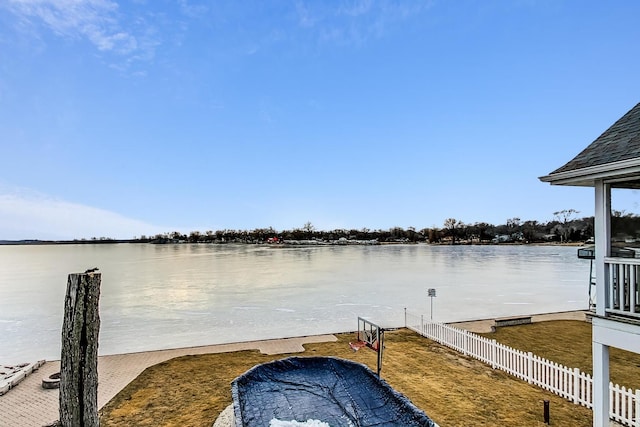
<point x="529" y="367"/>
<point x="465" y="342"/>
<point x="494" y="346"/>
<point x="637" y="412"/>
<point x="576" y="385"/>
<point x="612" y="401"/>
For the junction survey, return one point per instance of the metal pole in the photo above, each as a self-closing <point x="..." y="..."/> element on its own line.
<point x="380" y="349"/>
<point x="546" y="412"/>
<point x="432" y="293"/>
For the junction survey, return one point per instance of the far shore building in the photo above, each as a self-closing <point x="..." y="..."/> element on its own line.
<point x="611" y="165"/>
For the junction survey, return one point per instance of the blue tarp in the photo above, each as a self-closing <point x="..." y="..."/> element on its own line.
<point x="336" y="391"/>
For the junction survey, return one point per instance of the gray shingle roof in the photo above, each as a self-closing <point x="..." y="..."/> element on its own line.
<point x="620" y="142"/>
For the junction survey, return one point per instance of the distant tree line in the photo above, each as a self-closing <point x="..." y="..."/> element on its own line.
<point x="625" y="227"/>
<point x="565" y="227"/>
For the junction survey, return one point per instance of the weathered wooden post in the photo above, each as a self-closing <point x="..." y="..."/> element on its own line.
<point x="79" y="358"/>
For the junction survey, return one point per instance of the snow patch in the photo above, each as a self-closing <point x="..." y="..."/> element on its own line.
<point x="309" y="423"/>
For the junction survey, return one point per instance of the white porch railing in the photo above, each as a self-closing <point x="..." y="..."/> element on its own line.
<point x="621" y="280"/>
<point x="570" y="383"/>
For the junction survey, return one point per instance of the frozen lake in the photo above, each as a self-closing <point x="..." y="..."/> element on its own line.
<point x="167" y="296"/>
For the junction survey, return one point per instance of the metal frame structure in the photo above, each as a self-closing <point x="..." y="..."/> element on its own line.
<point x="373" y="337"/>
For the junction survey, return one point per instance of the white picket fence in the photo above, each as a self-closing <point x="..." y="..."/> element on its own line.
<point x="570" y="383"/>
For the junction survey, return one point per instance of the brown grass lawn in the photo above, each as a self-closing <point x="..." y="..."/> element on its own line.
<point x="450" y="388"/>
<point x="568" y="342"/>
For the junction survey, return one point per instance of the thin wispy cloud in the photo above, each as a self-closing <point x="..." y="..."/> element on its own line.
<point x="305" y="17"/>
<point x="355" y="22"/>
<point x="95" y="20"/>
<point x="398" y="10"/>
<point x="192" y="9"/>
<point x="102" y="23"/>
<point x="29" y="215"/>
<point x="356" y="8"/>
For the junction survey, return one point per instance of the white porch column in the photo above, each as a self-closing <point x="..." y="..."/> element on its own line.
<point x="600" y="385"/>
<point x="602" y="231"/>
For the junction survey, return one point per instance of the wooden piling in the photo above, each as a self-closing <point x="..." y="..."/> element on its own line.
<point x="79" y="357"/>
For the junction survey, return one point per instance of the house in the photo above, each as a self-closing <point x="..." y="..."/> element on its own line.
<point x="501" y="238"/>
<point x="612" y="161"/>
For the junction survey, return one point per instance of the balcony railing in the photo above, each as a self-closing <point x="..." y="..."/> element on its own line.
<point x="622" y="280"/>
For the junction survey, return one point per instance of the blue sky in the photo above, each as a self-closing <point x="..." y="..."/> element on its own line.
<point x="125" y="118"/>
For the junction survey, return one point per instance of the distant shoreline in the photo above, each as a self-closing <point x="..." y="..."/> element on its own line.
<point x="286" y="243"/>
<point x="67" y="242"/>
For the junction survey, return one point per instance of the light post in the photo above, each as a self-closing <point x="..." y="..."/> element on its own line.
<point x="431" y="292"/>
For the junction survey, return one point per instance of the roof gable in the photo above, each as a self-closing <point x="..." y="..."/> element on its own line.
<point x="620" y="142"/>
